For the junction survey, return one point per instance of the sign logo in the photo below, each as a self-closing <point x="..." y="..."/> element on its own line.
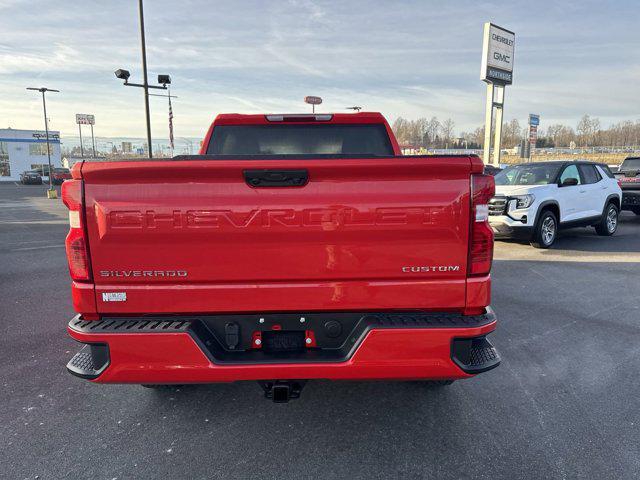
<point x="54" y="136"/>
<point x="85" y="119"/>
<point x="498" y="49"/>
<point x="311" y="100"/>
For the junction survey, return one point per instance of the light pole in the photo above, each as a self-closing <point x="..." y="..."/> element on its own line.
<point x="124" y="75"/>
<point x="52" y="192"/>
<point x="93" y="142"/>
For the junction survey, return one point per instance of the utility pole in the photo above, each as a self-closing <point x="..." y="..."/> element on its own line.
<point x="51" y="193"/>
<point x="145" y="78"/>
<point x="164" y="80"/>
<point x="93" y="142"/>
<point x="81" y="147"/>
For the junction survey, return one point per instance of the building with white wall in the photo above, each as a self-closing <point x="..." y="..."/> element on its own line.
<point x="22" y="150"/>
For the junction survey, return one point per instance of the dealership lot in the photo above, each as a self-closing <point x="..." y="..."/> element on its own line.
<point x="563" y="404"/>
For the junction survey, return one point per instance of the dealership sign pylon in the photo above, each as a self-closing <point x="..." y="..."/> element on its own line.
<point x="498" y="48"/>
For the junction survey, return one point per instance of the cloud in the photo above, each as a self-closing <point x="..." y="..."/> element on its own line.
<point x="413" y="58"/>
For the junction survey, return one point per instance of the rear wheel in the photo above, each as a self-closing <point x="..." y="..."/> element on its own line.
<point x="608" y="224"/>
<point x="546" y="230"/>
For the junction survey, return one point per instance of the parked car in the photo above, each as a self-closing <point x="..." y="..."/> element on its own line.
<point x="535" y="200"/>
<point x="628" y="176"/>
<point x="31" y="177"/>
<point x="329" y="255"/>
<point x="43" y="170"/>
<point x="491" y="169"/>
<point x="60" y="175"/>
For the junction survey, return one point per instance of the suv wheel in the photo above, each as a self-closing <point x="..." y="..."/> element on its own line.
<point x="608" y="225"/>
<point x="546" y="230"/>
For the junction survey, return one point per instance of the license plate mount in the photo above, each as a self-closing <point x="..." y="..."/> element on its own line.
<point x="277" y="341"/>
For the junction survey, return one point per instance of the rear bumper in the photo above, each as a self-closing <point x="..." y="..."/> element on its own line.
<point x="515" y="231"/>
<point x="31" y="181"/>
<point x="630" y="199"/>
<point x="179" y="350"/>
<point x="506" y="226"/>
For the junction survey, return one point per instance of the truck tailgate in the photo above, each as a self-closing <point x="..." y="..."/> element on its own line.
<point x="192" y="236"/>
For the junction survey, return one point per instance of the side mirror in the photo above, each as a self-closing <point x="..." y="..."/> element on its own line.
<point x="569" y="182"/>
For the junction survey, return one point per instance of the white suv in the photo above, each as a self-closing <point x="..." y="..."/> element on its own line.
<point x="534" y="200"/>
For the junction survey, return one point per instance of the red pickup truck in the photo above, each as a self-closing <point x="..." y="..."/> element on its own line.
<point x="293" y="247"/>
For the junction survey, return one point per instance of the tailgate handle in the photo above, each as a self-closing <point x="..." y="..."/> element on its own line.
<point x="276" y="178"/>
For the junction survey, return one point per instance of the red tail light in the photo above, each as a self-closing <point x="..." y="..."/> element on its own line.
<point x="481" y="235"/>
<point x="76" y="241"/>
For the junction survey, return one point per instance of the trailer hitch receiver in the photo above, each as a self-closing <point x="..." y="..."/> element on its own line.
<point x="281" y="391"/>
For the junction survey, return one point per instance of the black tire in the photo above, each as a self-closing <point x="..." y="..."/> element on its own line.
<point x="546" y="230"/>
<point x="608" y="224"/>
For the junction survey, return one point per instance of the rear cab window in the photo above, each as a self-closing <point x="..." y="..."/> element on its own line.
<point x="631" y="164"/>
<point x="288" y="139"/>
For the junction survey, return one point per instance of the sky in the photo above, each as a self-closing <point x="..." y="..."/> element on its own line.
<point x="403" y="58"/>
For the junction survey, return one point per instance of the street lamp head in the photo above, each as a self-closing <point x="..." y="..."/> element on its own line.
<point x="42" y="89"/>
<point x="122" y="74"/>
<point x="164" y="79"/>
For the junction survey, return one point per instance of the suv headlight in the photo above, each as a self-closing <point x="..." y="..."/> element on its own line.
<point x="518" y="202"/>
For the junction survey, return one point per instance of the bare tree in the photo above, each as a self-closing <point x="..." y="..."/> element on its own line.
<point x="584" y="129"/>
<point x="433" y="127"/>
<point x="512" y="133"/>
<point x="447" y="131"/>
<point x="424" y="132"/>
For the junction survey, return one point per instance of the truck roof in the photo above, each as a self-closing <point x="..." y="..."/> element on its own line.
<point x="265" y="119"/>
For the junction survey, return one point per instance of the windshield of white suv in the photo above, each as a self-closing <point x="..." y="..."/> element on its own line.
<point x="529" y="174"/>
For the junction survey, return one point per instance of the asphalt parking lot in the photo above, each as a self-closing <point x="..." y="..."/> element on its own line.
<point x="563" y="404"/>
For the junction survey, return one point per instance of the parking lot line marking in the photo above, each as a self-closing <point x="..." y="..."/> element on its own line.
<point x="36" y="248"/>
<point x="60" y="221"/>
